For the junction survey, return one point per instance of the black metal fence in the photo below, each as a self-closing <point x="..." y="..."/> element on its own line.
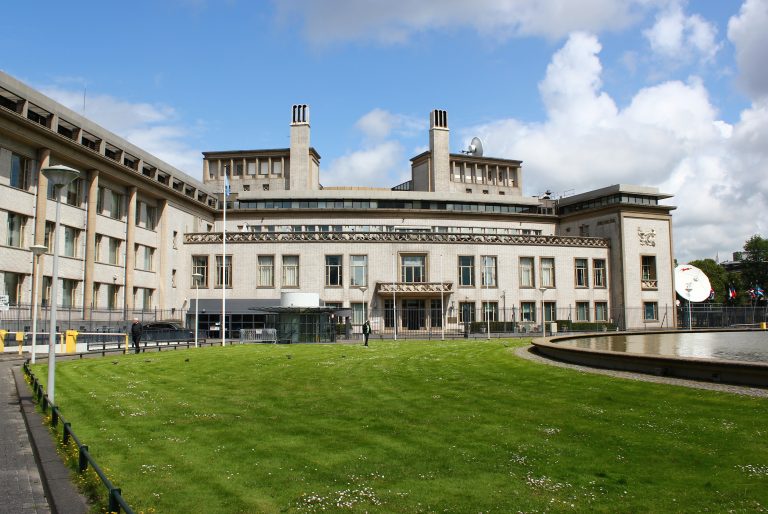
<point x="115" y="500"/>
<point x="19" y="318"/>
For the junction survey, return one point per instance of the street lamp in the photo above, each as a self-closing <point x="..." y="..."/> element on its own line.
<point x="58" y="176"/>
<point x="37" y="251"/>
<point x="543" y="320"/>
<point x="197" y="277"/>
<point x="363" y="289"/>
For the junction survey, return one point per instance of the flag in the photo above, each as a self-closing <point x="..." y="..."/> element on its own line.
<point x="226" y="186"/>
<point x="711" y="294"/>
<point x="731" y="293"/>
<point x="752" y="293"/>
<point x="759" y="291"/>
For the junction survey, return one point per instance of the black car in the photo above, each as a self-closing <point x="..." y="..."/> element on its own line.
<point x="166" y="331"/>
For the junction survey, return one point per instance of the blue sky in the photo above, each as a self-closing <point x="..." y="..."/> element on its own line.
<point x="667" y="93"/>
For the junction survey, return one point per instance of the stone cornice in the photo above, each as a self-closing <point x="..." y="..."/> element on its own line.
<point x="394" y="237"/>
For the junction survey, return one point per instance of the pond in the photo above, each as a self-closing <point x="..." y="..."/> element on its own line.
<point x="737" y="346"/>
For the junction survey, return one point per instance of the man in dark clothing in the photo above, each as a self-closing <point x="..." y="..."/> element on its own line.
<point x="136" y="330"/>
<point x="366" y="331"/>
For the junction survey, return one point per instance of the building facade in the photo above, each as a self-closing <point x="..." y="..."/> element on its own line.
<point x="457" y="244"/>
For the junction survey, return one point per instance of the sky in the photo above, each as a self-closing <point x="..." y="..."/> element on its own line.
<point x="665" y="93"/>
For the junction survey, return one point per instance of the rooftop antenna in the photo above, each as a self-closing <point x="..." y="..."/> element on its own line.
<point x="475" y="148"/>
<point x="547" y="195"/>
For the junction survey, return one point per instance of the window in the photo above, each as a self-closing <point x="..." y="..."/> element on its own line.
<point x="114" y="251"/>
<point x="45" y="295"/>
<point x="19" y="171"/>
<point x="16" y="224"/>
<point x="290" y="271"/>
<point x="100" y="194"/>
<point x="489" y="271"/>
<point x="547" y="272"/>
<point x="490" y="311"/>
<point x="224" y="273"/>
<point x="173" y="278"/>
<point x="598" y="271"/>
<point x="550" y="311"/>
<point x="266" y="271"/>
<point x="73" y="192"/>
<point x="466" y="270"/>
<point x="96" y="247"/>
<point x="71" y="236"/>
<point x="200" y="266"/>
<point x="649" y="272"/>
<point x="333" y="275"/>
<point x="358" y="313"/>
<point x="413" y="269"/>
<point x="526" y="272"/>
<point x="358" y="265"/>
<point x="601" y="311"/>
<point x="146" y="216"/>
<point x="95" y="296"/>
<point x="149" y="258"/>
<point x="13" y="286"/>
<point x="68" y="290"/>
<point x="389" y="313"/>
<point x="142" y="298"/>
<point x="582" y="311"/>
<point x="466" y="312"/>
<point x="528" y="311"/>
<point x="435" y="314"/>
<point x="277" y="167"/>
<point x="650" y="311"/>
<point x="264" y="167"/>
<point x="582" y="279"/>
<point x="48" y="240"/>
<point x="113" y="295"/>
<point x="116" y="205"/>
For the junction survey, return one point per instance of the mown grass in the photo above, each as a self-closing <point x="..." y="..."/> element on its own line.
<point x="455" y="426"/>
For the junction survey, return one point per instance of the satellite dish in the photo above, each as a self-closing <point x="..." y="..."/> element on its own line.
<point x="475" y="147"/>
<point x="691" y="283"/>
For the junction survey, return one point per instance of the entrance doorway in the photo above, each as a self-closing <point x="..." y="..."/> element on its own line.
<point x="414" y="314"/>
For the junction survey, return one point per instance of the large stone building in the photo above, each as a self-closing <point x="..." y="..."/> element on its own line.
<point x="457" y="243"/>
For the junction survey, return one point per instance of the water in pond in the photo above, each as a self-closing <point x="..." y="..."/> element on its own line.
<point x="737" y="346"/>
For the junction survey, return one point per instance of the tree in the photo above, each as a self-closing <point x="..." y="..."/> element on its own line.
<point x="754" y="269"/>
<point x="718" y="277"/>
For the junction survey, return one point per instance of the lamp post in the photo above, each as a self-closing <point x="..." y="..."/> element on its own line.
<point x="197" y="277"/>
<point x="59" y="176"/>
<point x="543" y="320"/>
<point x="37" y="251"/>
<point x="487" y="304"/>
<point x="363" y="289"/>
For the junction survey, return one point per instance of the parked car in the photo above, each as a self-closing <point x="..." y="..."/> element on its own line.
<point x="166" y="331"/>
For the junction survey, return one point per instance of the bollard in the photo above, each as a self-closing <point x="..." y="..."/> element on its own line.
<point x="3" y="333"/>
<point x="71" y="340"/>
<point x="82" y="463"/>
<point x="762" y="325"/>
<point x="20" y="340"/>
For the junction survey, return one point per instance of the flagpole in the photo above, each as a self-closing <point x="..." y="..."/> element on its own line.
<point x="224" y="266"/>
<point x="394" y="294"/>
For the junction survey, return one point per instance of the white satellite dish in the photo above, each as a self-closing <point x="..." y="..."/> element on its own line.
<point x="475" y="147"/>
<point x="691" y="283"/>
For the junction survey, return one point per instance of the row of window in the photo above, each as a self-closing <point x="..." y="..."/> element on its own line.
<point x="382" y="204"/>
<point x="366" y="229"/>
<point x="14" y="284"/>
<point x="413" y="270"/>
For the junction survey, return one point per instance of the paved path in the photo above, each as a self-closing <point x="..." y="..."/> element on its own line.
<point x="21" y="489"/>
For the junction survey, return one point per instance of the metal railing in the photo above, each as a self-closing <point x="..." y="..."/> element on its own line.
<point x="115" y="500"/>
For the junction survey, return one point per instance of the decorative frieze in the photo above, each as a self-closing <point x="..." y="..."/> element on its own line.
<point x="414" y="289"/>
<point x="395" y="237"/>
<point x="647" y="237"/>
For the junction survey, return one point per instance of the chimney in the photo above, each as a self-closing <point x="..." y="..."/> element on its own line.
<point x="299" y="169"/>
<point x="439" y="148"/>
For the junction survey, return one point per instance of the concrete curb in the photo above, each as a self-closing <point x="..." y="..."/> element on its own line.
<point x="62" y="495"/>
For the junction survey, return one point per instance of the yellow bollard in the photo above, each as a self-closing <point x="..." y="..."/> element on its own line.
<point x="126" y="344"/>
<point x="762" y="325"/>
<point x="71" y="337"/>
<point x="20" y="340"/>
<point x="2" y="340"/>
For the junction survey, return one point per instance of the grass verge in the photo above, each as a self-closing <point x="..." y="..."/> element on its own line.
<point x="454" y="426"/>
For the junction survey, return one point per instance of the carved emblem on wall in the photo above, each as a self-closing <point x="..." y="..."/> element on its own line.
<point x="647" y="237"/>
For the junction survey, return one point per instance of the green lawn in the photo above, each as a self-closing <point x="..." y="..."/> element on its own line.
<point x="454" y="426"/>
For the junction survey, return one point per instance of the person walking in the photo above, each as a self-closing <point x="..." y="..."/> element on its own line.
<point x="366" y="331"/>
<point x="136" y="331"/>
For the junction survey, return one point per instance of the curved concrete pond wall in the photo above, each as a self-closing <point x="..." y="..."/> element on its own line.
<point x="735" y="357"/>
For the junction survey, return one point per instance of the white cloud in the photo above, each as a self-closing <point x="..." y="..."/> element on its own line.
<point x="370" y="166"/>
<point x="749" y="34"/>
<point x="380" y="124"/>
<point x="155" y="128"/>
<point x="396" y="21"/>
<point x="680" y="37"/>
<point x="668" y="136"/>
